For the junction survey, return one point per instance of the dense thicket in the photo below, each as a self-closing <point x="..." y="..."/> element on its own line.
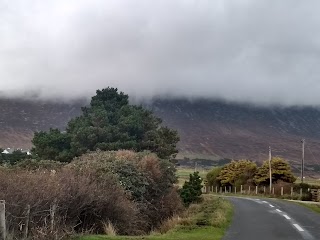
<point x="245" y="172"/>
<point x="134" y="191"/>
<point x="281" y="171"/>
<point x="108" y="123"/>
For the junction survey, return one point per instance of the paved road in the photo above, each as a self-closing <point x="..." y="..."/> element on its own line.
<point x="266" y="219"/>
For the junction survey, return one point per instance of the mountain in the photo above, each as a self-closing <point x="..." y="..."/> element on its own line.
<point x="20" y="118"/>
<point x="208" y="129"/>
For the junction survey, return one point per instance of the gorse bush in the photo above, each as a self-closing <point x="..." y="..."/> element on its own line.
<point x="245" y="172"/>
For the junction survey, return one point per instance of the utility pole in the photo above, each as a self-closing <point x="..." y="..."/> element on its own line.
<point x="270" y="172"/>
<point x="302" y="160"/>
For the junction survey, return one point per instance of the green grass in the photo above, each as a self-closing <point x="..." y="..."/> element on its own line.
<point x="209" y="221"/>
<point x="314" y="207"/>
<point x="311" y="181"/>
<point x="203" y="233"/>
<point x="183" y="174"/>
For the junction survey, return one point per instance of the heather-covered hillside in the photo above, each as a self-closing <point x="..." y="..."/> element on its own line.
<point x="208" y="129"/>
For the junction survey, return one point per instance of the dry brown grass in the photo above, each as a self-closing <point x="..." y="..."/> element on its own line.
<point x="109" y="229"/>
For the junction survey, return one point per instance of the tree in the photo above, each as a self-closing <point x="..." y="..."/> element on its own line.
<point x="108" y="123"/>
<point x="280" y="169"/>
<point x="212" y="177"/>
<point x="237" y="173"/>
<point x="191" y="190"/>
<point x="52" y="145"/>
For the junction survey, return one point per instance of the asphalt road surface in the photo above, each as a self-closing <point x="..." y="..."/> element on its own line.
<point x="266" y="219"/>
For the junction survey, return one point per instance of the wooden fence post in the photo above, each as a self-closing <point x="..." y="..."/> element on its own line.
<point x="241" y="189"/>
<point x="216" y="189"/>
<point x="273" y="190"/>
<point x="235" y="190"/>
<point x="264" y="189"/>
<point x="300" y="193"/>
<point x="281" y="191"/>
<point x="291" y="191"/>
<point x="256" y="190"/>
<point x="26" y="223"/>
<point x="225" y="189"/>
<point x="249" y="189"/>
<point x="220" y="189"/>
<point x="52" y="214"/>
<point x="3" y="230"/>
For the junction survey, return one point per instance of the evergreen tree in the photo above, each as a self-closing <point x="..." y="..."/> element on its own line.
<point x="108" y="123"/>
<point x="191" y="190"/>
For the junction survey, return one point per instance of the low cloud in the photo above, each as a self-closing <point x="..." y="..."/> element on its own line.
<point x="262" y="52"/>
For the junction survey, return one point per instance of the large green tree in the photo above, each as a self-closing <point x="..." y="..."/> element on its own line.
<point x="52" y="145"/>
<point x="280" y="170"/>
<point x="212" y="177"/>
<point x="237" y="173"/>
<point x="108" y="123"/>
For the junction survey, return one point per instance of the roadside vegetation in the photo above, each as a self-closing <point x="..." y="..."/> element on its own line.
<point x="207" y="220"/>
<point x="247" y="174"/>
<point x="111" y="173"/>
<point x="314" y="207"/>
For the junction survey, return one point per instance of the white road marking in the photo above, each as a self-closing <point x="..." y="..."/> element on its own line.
<point x="264" y="201"/>
<point x="287" y="217"/>
<point x="298" y="227"/>
<point x="271" y="205"/>
<point x="278" y="210"/>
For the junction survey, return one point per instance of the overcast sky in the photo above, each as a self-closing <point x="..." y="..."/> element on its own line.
<point x="259" y="51"/>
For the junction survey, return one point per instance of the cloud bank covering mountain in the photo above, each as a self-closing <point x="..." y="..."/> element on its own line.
<point x="262" y="52"/>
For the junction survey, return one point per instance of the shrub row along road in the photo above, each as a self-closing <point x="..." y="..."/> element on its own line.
<point x="266" y="219"/>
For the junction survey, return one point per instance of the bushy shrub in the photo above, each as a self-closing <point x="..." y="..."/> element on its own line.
<point x="82" y="203"/>
<point x="147" y="180"/>
<point x="191" y="190"/>
<point x="134" y="192"/>
<point x="212" y="177"/>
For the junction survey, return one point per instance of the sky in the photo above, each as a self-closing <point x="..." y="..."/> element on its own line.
<point x="262" y="52"/>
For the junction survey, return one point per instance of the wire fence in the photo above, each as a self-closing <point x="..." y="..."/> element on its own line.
<point x="286" y="191"/>
<point x="28" y="221"/>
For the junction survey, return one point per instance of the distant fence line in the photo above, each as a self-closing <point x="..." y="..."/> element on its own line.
<point x="278" y="191"/>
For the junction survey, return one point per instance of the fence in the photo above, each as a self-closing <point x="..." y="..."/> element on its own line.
<point x="16" y="221"/>
<point x="288" y="192"/>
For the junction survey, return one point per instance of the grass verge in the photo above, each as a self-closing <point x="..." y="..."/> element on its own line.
<point x="313" y="207"/>
<point x="208" y="220"/>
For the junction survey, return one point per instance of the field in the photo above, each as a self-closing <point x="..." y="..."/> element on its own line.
<point x="183" y="174"/>
<point x="206" y="221"/>
<point x="312" y="181"/>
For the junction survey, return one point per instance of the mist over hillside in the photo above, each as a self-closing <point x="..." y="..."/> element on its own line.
<point x="208" y="129"/>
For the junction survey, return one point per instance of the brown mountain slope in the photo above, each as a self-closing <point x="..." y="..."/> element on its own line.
<point x="241" y="131"/>
<point x="208" y="129"/>
<point x="20" y="118"/>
